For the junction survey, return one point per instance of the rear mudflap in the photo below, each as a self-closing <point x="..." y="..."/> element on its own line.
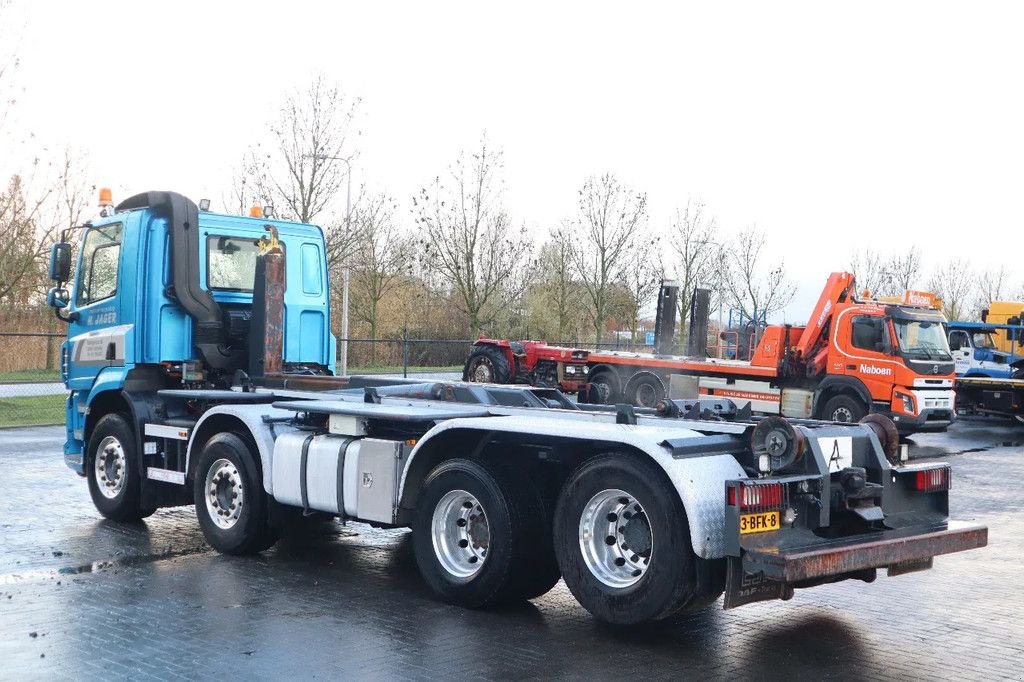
<point x="746" y="588"/>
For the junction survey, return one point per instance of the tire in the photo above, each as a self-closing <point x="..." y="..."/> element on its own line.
<point x="645" y="390"/>
<point x="844" y="409"/>
<point x="464" y="502"/>
<point x="655" y="578"/>
<point x="487" y="365"/>
<point x="112" y="464"/>
<point x="231" y="504"/>
<point x="606" y="385"/>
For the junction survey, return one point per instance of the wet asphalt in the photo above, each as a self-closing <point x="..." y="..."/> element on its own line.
<point x="85" y="598"/>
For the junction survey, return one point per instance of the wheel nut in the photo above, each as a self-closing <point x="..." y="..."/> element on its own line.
<point x="610" y="540"/>
<point x="461" y="523"/>
<point x="463" y="543"/>
<point x="612" y="517"/>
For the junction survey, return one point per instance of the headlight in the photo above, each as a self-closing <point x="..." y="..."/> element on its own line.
<point x="908" y="402"/>
<point x="569" y="369"/>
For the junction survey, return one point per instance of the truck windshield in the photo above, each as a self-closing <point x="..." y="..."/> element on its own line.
<point x="922" y="339"/>
<point x="983" y="340"/>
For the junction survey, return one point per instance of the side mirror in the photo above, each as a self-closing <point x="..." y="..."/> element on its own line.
<point x="60" y="262"/>
<point x="57" y="298"/>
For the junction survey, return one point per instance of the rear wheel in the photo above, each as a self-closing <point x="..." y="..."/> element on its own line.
<point x="487" y="365"/>
<point x="482" y="535"/>
<point x="231" y="504"/>
<point x="623" y="542"/>
<point x="645" y="390"/>
<point x="845" y="409"/>
<point x="112" y="467"/>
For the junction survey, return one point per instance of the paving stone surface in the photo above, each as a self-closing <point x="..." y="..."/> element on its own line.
<point x="84" y="598"/>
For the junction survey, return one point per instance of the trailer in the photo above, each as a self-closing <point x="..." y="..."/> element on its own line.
<point x="855" y="356"/>
<point x="200" y="372"/>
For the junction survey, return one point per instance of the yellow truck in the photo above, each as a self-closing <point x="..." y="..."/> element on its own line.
<point x="1010" y="313"/>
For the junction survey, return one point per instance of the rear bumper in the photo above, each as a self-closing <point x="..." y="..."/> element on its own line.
<point x="837" y="557"/>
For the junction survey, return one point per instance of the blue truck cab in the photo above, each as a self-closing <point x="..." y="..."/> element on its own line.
<point x="162" y="298"/>
<point x="975" y="353"/>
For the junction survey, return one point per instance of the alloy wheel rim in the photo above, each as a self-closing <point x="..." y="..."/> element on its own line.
<point x="111" y="463"/>
<point x="225" y="494"/>
<point x="460" y="533"/>
<point x="616" y="539"/>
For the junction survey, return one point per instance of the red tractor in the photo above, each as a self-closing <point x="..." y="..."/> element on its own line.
<point x="526" y="362"/>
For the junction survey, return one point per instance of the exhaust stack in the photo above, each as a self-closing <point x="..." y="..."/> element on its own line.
<point x="267" y="346"/>
<point x="665" y="319"/>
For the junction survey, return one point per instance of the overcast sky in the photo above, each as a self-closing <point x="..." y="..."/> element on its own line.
<point x="830" y="127"/>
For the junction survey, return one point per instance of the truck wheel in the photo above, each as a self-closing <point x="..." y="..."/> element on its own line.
<point x="230" y="502"/>
<point x="487" y="365"/>
<point x="623" y="541"/>
<point x="115" y="484"/>
<point x="645" y="390"/>
<point x="845" y="409"/>
<point x="479" y="535"/>
<point x="606" y="386"/>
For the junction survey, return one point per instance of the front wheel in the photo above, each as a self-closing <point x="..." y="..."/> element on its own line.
<point x="844" y="409"/>
<point x="112" y="467"/>
<point x="230" y="502"/>
<point x="623" y="542"/>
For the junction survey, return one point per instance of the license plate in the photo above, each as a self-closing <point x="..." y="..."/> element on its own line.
<point x="759" y="523"/>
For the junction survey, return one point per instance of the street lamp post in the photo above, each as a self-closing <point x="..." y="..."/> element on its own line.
<point x="345" y="270"/>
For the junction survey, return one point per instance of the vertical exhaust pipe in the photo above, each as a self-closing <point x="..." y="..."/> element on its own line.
<point x="267" y="331"/>
<point x="700" y="309"/>
<point x="665" y="318"/>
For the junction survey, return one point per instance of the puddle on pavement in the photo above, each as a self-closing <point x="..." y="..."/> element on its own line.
<point x="97" y="566"/>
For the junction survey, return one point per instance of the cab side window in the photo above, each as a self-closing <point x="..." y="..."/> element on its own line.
<point x="869" y="333"/>
<point x="101" y="254"/>
<point x="958" y="340"/>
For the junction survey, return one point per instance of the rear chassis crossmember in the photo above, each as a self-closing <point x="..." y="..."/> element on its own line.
<point x="770" y="571"/>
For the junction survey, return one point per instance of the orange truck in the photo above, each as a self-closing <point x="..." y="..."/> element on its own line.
<point x="855" y="356"/>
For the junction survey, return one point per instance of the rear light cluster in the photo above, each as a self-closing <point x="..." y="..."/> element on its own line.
<point x="758" y="496"/>
<point x="931" y="480"/>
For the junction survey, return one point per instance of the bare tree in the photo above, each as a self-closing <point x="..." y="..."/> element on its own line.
<point x="33" y="211"/>
<point x="303" y="169"/>
<point x="953" y="282"/>
<point x="868" y="268"/>
<point x="381" y="259"/>
<point x="607" y="231"/>
<point x="886" y="276"/>
<point x="692" y="236"/>
<point x="560" y="292"/>
<point x="751" y="288"/>
<point x="992" y="286"/>
<point x="469" y="240"/>
<point x="641" y="278"/>
<point x="904" y="270"/>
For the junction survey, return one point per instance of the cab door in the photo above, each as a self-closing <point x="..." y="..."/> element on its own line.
<point x="96" y="333"/>
<point x="870" y="356"/>
<point x="960" y="347"/>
